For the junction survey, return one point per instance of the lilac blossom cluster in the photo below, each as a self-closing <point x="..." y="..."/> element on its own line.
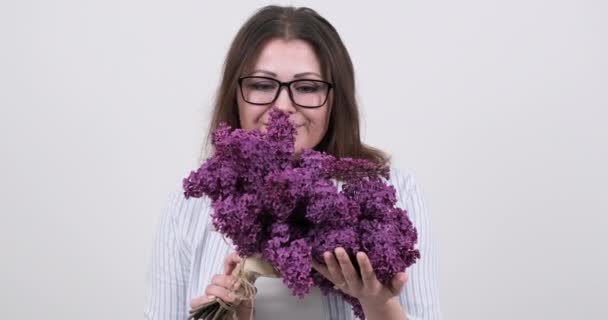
<point x="287" y="207"/>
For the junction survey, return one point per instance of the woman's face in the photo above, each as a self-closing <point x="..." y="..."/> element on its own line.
<point x="287" y="60"/>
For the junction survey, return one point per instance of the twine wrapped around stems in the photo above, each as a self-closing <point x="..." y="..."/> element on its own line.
<point x="246" y="272"/>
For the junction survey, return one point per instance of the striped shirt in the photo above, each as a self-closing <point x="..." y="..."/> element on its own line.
<point x="187" y="253"/>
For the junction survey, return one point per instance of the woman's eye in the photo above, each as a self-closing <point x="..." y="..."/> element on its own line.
<point x="307" y="89"/>
<point x="262" y="86"/>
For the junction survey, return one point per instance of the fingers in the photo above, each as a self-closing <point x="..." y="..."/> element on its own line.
<point x="226" y="295"/>
<point x="222" y="286"/>
<point x="224" y="281"/>
<point x="322" y="269"/>
<point x="398" y="282"/>
<point x="230" y="262"/>
<point x="367" y="271"/>
<point x="339" y="269"/>
<point x="369" y="276"/>
<point x="348" y="271"/>
<point x="199" y="301"/>
<point x="334" y="270"/>
<point x="335" y="275"/>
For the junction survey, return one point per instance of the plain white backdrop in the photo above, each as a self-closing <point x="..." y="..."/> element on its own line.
<point x="498" y="108"/>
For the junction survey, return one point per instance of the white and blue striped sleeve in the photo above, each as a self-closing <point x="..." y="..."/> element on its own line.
<point x="169" y="266"/>
<point x="420" y="298"/>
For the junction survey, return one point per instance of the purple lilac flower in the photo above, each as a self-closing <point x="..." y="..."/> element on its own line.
<point x="294" y="263"/>
<point x="348" y="168"/>
<point x="237" y="218"/>
<point x="268" y="200"/>
<point x="328" y="206"/>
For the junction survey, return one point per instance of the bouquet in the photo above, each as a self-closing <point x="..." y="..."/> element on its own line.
<point x="282" y="210"/>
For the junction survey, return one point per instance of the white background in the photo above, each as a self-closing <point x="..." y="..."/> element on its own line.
<point x="498" y="108"/>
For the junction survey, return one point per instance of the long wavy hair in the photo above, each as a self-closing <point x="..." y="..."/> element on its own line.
<point x="342" y="138"/>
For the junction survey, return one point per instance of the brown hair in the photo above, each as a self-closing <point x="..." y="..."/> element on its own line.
<point x="342" y="138"/>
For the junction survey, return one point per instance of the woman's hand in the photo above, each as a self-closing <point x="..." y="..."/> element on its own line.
<point x="223" y="285"/>
<point x="367" y="288"/>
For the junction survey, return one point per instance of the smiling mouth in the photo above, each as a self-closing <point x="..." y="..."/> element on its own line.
<point x="297" y="125"/>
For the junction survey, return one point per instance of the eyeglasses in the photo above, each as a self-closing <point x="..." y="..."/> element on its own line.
<point x="307" y="93"/>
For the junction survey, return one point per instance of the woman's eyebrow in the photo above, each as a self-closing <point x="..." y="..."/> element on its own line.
<point x="298" y="75"/>
<point x="264" y="71"/>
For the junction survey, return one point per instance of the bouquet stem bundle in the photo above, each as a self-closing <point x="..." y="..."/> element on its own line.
<point x="246" y="273"/>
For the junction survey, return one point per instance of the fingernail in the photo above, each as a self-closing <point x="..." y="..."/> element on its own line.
<point x="211" y="297"/>
<point x="236" y="285"/>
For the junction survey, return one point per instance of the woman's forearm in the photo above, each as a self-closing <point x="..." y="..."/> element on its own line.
<point x="391" y="310"/>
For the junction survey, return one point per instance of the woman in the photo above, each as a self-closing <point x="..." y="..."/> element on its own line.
<point x="291" y="59"/>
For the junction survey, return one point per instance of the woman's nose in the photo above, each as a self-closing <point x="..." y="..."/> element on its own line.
<point x="284" y="102"/>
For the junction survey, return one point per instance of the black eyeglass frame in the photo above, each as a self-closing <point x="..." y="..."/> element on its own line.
<point x="288" y="85"/>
